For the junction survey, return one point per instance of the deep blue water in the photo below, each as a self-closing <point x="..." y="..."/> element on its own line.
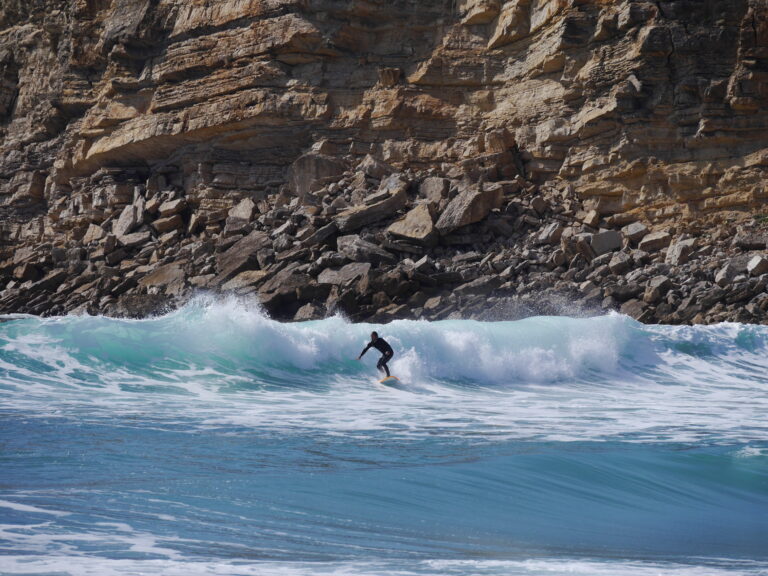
<point x="216" y="441"/>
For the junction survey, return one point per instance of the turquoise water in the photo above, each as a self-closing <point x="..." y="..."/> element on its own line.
<point x="216" y="441"/>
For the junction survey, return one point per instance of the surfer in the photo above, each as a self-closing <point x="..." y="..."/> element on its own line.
<point x="382" y="346"/>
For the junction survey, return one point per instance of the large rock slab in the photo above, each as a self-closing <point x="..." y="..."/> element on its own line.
<point x="655" y="241"/>
<point x="345" y="274"/>
<point x="171" y="277"/>
<point x="244" y="279"/>
<point x="605" y="242"/>
<point x="358" y="250"/>
<point x="730" y="270"/>
<point x="244" y="210"/>
<point x="321" y="235"/>
<point x="374" y="168"/>
<point x="470" y="206"/>
<point x="417" y="226"/>
<point x="163" y="225"/>
<point x="241" y="255"/>
<point x="434" y="189"/>
<point x="550" y="234"/>
<point x="172" y="207"/>
<point x="757" y="266"/>
<point x="680" y="251"/>
<point x="657" y="288"/>
<point x="127" y="221"/>
<point x="93" y="234"/>
<point x="359" y="216"/>
<point x="747" y="240"/>
<point x="135" y="239"/>
<point x="635" y="231"/>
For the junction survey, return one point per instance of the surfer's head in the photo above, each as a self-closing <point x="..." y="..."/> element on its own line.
<point x="374" y="336"/>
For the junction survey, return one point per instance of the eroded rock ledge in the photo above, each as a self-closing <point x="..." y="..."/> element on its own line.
<point x="481" y="158"/>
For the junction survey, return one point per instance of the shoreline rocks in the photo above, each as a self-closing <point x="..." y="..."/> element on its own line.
<point x="504" y="250"/>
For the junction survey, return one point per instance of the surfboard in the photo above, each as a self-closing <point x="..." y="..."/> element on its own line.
<point x="390" y="380"/>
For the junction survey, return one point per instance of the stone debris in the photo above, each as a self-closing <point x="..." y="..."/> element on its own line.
<point x="413" y="244"/>
<point x="470" y="206"/>
<point x="757" y="266"/>
<point x="655" y="241"/>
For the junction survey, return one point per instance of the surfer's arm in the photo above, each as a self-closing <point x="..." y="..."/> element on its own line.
<point x="365" y="350"/>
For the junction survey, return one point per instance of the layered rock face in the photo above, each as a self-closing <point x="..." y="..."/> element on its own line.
<point x="143" y="140"/>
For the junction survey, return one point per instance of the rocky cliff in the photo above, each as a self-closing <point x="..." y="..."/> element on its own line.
<point x="149" y="148"/>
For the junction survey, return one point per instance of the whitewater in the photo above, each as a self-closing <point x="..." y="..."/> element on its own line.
<point x="216" y="441"/>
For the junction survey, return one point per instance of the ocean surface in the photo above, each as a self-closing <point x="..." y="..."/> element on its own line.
<point x="214" y="441"/>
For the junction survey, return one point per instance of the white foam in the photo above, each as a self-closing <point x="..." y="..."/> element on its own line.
<point x="226" y="365"/>
<point x="33" y="509"/>
<point x="750" y="452"/>
<point x="94" y="566"/>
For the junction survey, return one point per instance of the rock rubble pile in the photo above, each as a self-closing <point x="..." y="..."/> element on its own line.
<point x="376" y="244"/>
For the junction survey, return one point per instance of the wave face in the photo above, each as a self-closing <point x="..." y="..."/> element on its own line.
<point x="216" y="441"/>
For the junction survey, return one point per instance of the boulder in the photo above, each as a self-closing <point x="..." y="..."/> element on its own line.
<point x="239" y="217"/>
<point x="126" y="222"/>
<point x="142" y="305"/>
<point x="750" y="240"/>
<point x="591" y="219"/>
<point x="633" y="308"/>
<point x="620" y="263"/>
<point x="433" y="304"/>
<point x="241" y="255"/>
<point x="355" y="218"/>
<point x="345" y="274"/>
<point x="656" y="289"/>
<point x="321" y="235"/>
<point x="49" y="281"/>
<point x="172" y="207"/>
<point x="246" y="278"/>
<point x="244" y="210"/>
<point x="163" y="225"/>
<point x="417" y="226"/>
<point x="374" y="168"/>
<point x="757" y="266"/>
<point x="539" y="204"/>
<point x="24" y="255"/>
<point x="728" y="272"/>
<point x="680" y="251"/>
<point x="434" y="189"/>
<point x="606" y="241"/>
<point x="483" y="285"/>
<point x="358" y="250"/>
<point x="470" y="206"/>
<point x="655" y="241"/>
<point x="635" y="232"/>
<point x="171" y="277"/>
<point x="135" y="239"/>
<point x="286" y="281"/>
<point x="93" y="234"/>
<point x="308" y="312"/>
<point x="582" y="243"/>
<point x="550" y="234"/>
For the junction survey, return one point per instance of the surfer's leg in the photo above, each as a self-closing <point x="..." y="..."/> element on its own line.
<point x="382" y="365"/>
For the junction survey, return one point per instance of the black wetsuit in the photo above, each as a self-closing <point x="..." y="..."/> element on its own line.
<point x="386" y="350"/>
